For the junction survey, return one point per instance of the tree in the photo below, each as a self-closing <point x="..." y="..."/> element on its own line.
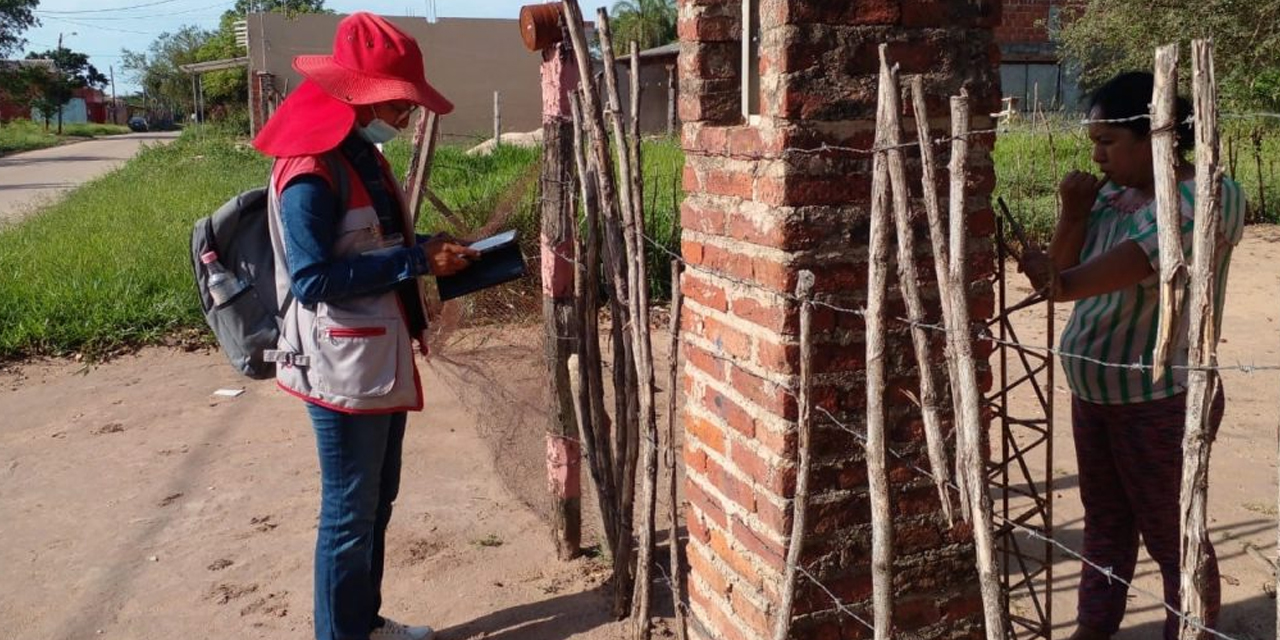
<point x="22" y="84"/>
<point x="288" y="7"/>
<point x="16" y="16"/>
<point x="650" y="23"/>
<point x="71" y="71"/>
<point x="1105" y="37"/>
<point x="157" y="69"/>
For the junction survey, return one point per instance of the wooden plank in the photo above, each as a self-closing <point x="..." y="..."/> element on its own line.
<point x="877" y="287"/>
<point x="1173" y="266"/>
<point x="804" y="428"/>
<point x="1197" y="441"/>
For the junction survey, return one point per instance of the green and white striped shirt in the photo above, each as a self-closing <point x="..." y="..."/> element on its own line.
<point x="1120" y="327"/>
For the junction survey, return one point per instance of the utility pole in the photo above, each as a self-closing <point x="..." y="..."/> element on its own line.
<point x="114" y="105"/>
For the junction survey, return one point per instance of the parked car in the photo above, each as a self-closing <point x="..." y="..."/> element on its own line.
<point x="138" y="123"/>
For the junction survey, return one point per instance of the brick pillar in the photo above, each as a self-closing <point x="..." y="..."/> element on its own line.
<point x="754" y="216"/>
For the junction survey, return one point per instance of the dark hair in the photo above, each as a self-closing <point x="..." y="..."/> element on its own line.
<point x="1129" y="94"/>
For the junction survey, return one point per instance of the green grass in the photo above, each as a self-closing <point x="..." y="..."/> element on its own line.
<point x="25" y="135"/>
<point x="1029" y="167"/>
<point x="108" y="266"/>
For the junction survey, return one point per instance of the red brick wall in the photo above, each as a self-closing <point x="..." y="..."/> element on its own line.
<point x="1025" y="21"/>
<point x="755" y="215"/>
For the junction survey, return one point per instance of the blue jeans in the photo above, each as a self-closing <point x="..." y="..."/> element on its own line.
<point x="359" y="479"/>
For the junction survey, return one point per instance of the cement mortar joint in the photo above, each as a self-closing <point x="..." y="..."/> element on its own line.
<point x="731" y="508"/>
<point x="741" y="247"/>
<point x="749" y="328"/>
<point x="767" y="573"/>
<point x="722" y="600"/>
<point x="730" y="466"/>
<point x="775" y="424"/>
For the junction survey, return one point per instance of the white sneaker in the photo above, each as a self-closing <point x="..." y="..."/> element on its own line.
<point x="392" y="630"/>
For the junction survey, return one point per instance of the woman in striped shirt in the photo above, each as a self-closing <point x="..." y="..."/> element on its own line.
<point x="1127" y="424"/>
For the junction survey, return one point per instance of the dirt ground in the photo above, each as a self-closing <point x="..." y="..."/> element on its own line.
<point x="135" y="503"/>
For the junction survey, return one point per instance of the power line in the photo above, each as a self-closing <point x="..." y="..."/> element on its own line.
<point x="136" y="6"/>
<point x="90" y="25"/>
<point x="138" y="17"/>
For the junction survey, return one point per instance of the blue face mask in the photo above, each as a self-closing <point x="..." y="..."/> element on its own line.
<point x="378" y="131"/>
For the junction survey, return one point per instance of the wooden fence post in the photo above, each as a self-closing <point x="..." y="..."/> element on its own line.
<point x="1173" y="266"/>
<point x="559" y="226"/>
<point x="1197" y="441"/>
<point x="497" y="119"/>
<point x="877" y="286"/>
<point x="970" y="463"/>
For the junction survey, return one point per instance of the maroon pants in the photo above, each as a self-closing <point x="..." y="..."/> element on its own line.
<point x="1130" y="461"/>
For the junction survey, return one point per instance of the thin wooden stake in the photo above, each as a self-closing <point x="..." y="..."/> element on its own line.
<point x="590" y="370"/>
<point x="970" y="461"/>
<point x="909" y="281"/>
<point x="965" y="405"/>
<point x="804" y="428"/>
<point x="673" y="498"/>
<point x="452" y="218"/>
<point x="877" y="286"/>
<point x="643" y="366"/>
<point x="1197" y="441"/>
<point x="1173" y="265"/>
<point x="941" y="268"/>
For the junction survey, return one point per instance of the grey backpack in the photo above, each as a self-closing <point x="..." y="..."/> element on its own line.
<point x="248" y="324"/>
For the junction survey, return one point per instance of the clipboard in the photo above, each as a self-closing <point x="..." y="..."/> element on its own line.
<point x="500" y="262"/>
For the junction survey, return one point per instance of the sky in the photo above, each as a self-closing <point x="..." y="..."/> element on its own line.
<point x="102" y="28"/>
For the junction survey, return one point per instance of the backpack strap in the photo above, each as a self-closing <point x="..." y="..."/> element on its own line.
<point x="338" y="170"/>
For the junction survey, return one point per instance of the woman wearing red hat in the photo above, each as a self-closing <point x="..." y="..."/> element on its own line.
<point x="347" y="263"/>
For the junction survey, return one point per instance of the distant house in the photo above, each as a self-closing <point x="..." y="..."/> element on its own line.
<point x="467" y="60"/>
<point x="1030" y="62"/>
<point x="11" y="108"/>
<point x="659" y="88"/>
<point x="86" y="104"/>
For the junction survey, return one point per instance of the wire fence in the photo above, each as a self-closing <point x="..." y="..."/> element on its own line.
<point x="664" y="246"/>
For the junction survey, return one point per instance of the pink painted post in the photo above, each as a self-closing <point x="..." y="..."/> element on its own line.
<point x="564" y="455"/>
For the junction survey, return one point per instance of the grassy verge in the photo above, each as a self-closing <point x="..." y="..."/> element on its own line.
<point x="25" y="135"/>
<point x="108" y="268"/>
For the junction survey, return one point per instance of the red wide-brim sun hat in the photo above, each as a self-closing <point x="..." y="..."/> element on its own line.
<point x="372" y="61"/>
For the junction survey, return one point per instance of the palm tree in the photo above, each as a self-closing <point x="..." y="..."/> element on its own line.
<point x="651" y="23"/>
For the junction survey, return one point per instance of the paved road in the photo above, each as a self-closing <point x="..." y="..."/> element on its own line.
<point x="29" y="180"/>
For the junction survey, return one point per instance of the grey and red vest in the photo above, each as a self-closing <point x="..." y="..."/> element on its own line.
<point x="353" y="355"/>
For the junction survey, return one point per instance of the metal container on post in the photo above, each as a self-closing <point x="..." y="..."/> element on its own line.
<point x="540" y="25"/>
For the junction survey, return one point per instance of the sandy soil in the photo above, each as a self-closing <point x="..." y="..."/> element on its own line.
<point x="136" y="504"/>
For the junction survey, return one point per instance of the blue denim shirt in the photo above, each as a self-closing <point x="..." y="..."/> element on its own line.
<point x="309" y="212"/>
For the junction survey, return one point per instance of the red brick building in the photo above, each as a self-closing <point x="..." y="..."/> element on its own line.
<point x="1029" y="57"/>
